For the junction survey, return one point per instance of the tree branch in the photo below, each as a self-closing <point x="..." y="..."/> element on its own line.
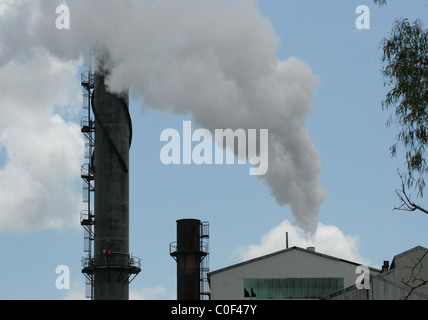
<point x="415" y="276"/>
<point x="406" y="203"/>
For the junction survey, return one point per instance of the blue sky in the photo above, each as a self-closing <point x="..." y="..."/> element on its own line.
<point x="347" y="128"/>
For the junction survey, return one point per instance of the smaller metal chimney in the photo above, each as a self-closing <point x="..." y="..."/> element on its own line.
<point x="311" y="249"/>
<point x="190" y="251"/>
<point x="385" y="266"/>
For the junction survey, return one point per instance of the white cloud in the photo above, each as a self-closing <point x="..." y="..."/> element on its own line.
<point x="77" y="291"/>
<point x="329" y="240"/>
<point x="44" y="151"/>
<point x="151" y="293"/>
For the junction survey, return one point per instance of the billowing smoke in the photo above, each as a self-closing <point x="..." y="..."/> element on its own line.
<point x="215" y="60"/>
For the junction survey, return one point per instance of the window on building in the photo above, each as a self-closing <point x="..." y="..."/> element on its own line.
<point x="291" y="288"/>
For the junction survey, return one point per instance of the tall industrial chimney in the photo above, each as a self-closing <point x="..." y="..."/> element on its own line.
<point x="112" y="265"/>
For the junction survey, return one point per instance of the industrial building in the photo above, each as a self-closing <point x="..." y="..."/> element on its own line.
<point x="298" y="273"/>
<point x="405" y="278"/>
<point x="293" y="273"/>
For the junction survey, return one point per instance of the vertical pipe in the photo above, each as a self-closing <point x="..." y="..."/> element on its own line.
<point x="286" y="240"/>
<point x="111" y="156"/>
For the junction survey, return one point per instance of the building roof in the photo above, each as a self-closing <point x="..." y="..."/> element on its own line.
<point x="406" y="253"/>
<point x="383" y="277"/>
<point x="308" y="251"/>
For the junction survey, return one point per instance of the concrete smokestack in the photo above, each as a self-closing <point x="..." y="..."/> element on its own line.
<point x="113" y="134"/>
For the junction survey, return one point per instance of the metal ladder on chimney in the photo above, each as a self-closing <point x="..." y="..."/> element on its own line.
<point x="87" y="220"/>
<point x="204" y="264"/>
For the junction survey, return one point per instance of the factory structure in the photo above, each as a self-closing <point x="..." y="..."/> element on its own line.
<point x="405" y="278"/>
<point x="298" y="273"/>
<point x="291" y="273"/>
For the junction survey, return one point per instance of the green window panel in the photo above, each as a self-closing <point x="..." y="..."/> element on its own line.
<point x="291" y="288"/>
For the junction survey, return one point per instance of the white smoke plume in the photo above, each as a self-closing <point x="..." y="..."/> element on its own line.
<point x="215" y="60"/>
